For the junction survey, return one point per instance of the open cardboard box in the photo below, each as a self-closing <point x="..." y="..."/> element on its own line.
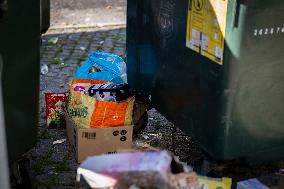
<point x="95" y="141"/>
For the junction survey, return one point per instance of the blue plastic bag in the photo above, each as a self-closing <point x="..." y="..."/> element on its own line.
<point x="112" y="68"/>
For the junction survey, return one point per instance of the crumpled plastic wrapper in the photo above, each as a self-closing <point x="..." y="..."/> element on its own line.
<point x="141" y="180"/>
<point x="137" y="170"/>
<point x="154" y="180"/>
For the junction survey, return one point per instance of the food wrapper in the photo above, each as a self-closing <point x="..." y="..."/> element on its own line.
<point x="88" y="112"/>
<point x="83" y="85"/>
<point x="55" y="103"/>
<point x="213" y="183"/>
<point x="184" y="180"/>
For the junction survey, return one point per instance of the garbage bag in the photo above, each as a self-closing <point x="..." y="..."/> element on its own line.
<point x="109" y="67"/>
<point x="88" y="112"/>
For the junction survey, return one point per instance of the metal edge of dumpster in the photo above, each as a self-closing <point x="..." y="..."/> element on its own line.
<point x="4" y="171"/>
<point x="45" y="15"/>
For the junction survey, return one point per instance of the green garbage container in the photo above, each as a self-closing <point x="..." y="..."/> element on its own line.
<point x="19" y="47"/>
<point x="215" y="68"/>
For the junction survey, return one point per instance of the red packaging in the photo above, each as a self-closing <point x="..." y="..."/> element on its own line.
<point x="55" y="103"/>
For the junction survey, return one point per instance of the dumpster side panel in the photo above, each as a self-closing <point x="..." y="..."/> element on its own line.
<point x="255" y="109"/>
<point x="20" y="42"/>
<point x="180" y="86"/>
<point x="233" y="110"/>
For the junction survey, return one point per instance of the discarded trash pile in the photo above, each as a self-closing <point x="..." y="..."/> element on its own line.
<point x="97" y="113"/>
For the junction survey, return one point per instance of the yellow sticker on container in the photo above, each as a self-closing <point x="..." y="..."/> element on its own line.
<point x="206" y="24"/>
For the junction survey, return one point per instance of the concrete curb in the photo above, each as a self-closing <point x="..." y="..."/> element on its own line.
<point x="98" y="25"/>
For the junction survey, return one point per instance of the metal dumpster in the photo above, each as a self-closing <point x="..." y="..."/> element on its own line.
<point x="19" y="46"/>
<point x="215" y="68"/>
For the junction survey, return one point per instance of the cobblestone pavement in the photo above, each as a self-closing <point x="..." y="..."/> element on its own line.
<point x="55" y="165"/>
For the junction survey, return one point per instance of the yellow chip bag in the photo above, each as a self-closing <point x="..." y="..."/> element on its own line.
<point x="214" y="183"/>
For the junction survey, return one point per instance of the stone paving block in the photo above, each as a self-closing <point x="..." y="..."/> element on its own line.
<point x="107" y="49"/>
<point x="87" y="36"/>
<point x="65" y="52"/>
<point x="115" y="31"/>
<point x="97" y="39"/>
<point x="118" y="52"/>
<point x="119" y="44"/>
<point x="96" y="44"/>
<point x="71" y="62"/>
<point x="68" y="47"/>
<point x="83" y="43"/>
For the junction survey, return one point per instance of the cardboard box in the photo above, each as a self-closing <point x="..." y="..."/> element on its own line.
<point x="95" y="141"/>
